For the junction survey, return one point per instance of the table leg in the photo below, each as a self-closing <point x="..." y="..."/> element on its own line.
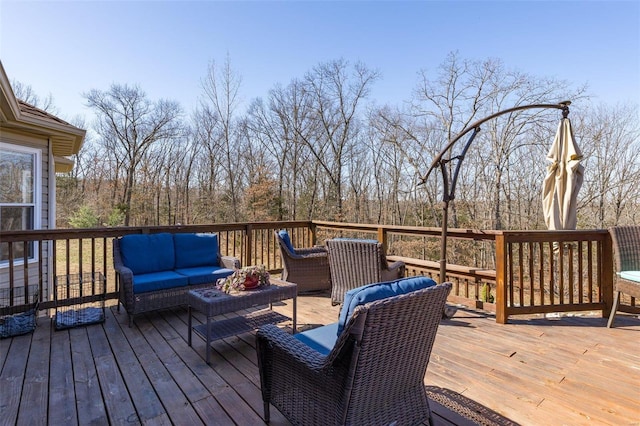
<point x="208" y="341"/>
<point x="295" y="315"/>
<point x="189" y="325"/>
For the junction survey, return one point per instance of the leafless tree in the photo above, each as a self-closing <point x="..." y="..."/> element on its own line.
<point x="271" y="126"/>
<point x="26" y="93"/>
<point x="610" y="137"/>
<point x="337" y="91"/>
<point x="313" y="149"/>
<point x="129" y="124"/>
<point x="219" y="108"/>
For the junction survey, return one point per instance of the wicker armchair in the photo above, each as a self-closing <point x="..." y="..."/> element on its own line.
<point x="626" y="249"/>
<point x="354" y="263"/>
<point x="373" y="375"/>
<point x="307" y="267"/>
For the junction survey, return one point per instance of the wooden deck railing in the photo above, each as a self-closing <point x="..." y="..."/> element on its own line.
<point x="515" y="272"/>
<point x="546" y="272"/>
<point x="67" y="252"/>
<point x="506" y="272"/>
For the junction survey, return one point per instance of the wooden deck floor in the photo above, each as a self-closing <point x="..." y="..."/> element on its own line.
<point x="569" y="370"/>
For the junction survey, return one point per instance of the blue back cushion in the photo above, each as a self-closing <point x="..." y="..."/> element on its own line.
<point x="194" y="250"/>
<point x="144" y="254"/>
<point x="372" y="292"/>
<point x="358" y="240"/>
<point x="285" y="238"/>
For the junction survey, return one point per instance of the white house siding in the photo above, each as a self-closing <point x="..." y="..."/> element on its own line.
<point x="42" y="144"/>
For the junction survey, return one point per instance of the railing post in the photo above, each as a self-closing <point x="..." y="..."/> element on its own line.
<point x="314" y="236"/>
<point x="501" y="274"/>
<point x="606" y="275"/>
<point x="248" y="248"/>
<point x="383" y="238"/>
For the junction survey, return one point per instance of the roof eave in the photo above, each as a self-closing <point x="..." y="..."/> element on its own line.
<point x="63" y="164"/>
<point x="66" y="139"/>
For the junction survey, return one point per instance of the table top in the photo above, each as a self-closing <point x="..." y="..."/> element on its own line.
<point x="212" y="301"/>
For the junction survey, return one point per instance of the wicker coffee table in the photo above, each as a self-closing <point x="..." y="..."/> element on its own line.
<point x="212" y="302"/>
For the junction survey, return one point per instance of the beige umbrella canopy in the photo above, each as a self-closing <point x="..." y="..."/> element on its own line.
<point x="563" y="180"/>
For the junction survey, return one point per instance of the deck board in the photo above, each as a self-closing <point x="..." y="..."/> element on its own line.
<point x="36" y="381"/>
<point x="118" y="403"/>
<point x="12" y="376"/>
<point x="568" y="370"/>
<point x="86" y="383"/>
<point x="143" y="395"/>
<point x="61" y="382"/>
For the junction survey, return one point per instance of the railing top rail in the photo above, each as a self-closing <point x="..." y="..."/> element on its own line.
<point x="112" y="232"/>
<point x="558" y="232"/>
<point x="555" y="236"/>
<point x="455" y="233"/>
<point x="411" y="230"/>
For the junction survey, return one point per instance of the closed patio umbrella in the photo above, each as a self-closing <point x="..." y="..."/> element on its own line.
<point x="563" y="180"/>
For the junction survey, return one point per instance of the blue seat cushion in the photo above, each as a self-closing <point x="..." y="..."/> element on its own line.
<point x="631" y="275"/>
<point x="158" y="281"/>
<point x="321" y="339"/>
<point x="204" y="274"/>
<point x="147" y="253"/>
<point x="286" y="240"/>
<point x="372" y="292"/>
<point x="196" y="250"/>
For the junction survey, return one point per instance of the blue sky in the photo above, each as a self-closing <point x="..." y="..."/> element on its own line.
<point x="66" y="48"/>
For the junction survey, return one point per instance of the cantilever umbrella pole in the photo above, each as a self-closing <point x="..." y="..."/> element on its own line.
<point x="440" y="161"/>
<point x="443" y="242"/>
<point x="445" y="221"/>
<point x="449" y="194"/>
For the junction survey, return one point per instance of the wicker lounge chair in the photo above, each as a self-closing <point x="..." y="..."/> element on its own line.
<point x="373" y="375"/>
<point x="626" y="249"/>
<point x="355" y="263"/>
<point x="307" y="267"/>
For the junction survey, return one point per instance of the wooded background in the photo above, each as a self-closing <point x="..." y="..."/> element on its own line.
<point x="321" y="148"/>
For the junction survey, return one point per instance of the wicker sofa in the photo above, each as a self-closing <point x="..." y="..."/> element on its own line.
<point x="155" y="271"/>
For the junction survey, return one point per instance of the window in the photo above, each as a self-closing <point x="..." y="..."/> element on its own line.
<point x="19" y="196"/>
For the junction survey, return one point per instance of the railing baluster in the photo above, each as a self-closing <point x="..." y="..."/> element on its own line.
<point x="41" y="252"/>
<point x="581" y="293"/>
<point x="11" y="271"/>
<point x="25" y="270"/>
<point x="541" y="272"/>
<point x="561" y="272"/>
<point x="552" y="282"/>
<point x="570" y="276"/>
<point x="105" y="247"/>
<point x="531" y="274"/>
<point x="591" y="271"/>
<point x="521" y="274"/>
<point x="67" y="257"/>
<point x="80" y="262"/>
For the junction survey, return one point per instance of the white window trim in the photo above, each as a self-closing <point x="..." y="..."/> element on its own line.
<point x="37" y="198"/>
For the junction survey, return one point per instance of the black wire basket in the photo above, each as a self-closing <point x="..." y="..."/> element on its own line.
<point x="18" y="311"/>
